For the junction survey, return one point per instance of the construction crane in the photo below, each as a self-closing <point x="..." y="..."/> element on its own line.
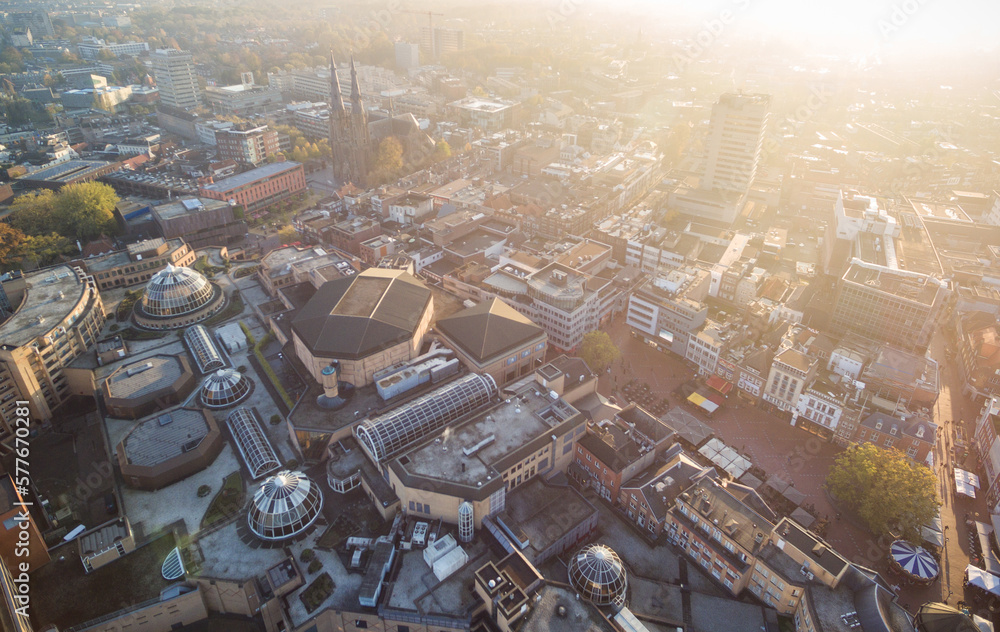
<point x="430" y="27"/>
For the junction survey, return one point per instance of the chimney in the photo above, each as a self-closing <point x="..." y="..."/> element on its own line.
<point x="330" y="377"/>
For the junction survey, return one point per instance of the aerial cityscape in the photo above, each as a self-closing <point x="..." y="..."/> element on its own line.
<point x="502" y="316"/>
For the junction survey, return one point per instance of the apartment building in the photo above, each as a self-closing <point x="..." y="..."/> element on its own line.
<point x="915" y="436"/>
<point x="614" y="451"/>
<point x="666" y="311"/>
<point x="888" y="305"/>
<point x="259" y="188"/>
<point x="987" y="441"/>
<point x="58" y="314"/>
<point x="790" y="372"/>
<point x="247" y="144"/>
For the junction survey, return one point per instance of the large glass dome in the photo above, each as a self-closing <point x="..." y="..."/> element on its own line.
<point x="224" y="388"/>
<point x="599" y="575"/>
<point x="175" y="292"/>
<point x="285" y="506"/>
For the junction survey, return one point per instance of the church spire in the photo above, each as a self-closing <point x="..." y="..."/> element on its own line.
<point x="336" y="99"/>
<point x="355" y="88"/>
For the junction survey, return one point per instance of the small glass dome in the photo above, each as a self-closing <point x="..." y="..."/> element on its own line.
<point x="599" y="575"/>
<point x="285" y="506"/>
<point x="225" y="387"/>
<point x="175" y="292"/>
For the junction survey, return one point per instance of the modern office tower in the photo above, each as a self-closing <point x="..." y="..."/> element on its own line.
<point x="407" y="55"/>
<point x="444" y="40"/>
<point x="735" y="141"/>
<point x="38" y="21"/>
<point x="176" y="79"/>
<point x="894" y="306"/>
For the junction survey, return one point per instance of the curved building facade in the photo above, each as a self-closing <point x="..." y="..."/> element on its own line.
<point x="225" y="388"/>
<point x="599" y="575"/>
<point x="203" y="349"/>
<point x="56" y="315"/>
<point x="405" y="425"/>
<point x="168" y="446"/>
<point x="285" y="506"/>
<point x="177" y="297"/>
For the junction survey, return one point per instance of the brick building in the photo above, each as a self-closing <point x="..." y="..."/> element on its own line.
<point x="259" y="188"/>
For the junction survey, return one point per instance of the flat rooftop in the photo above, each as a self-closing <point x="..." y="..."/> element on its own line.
<point x="146" y="376"/>
<point x="187" y="206"/>
<point x="365" y="402"/>
<point x="580" y="615"/>
<point x="475" y="242"/>
<point x="165" y="435"/>
<point x="249" y="177"/>
<point x="67" y="171"/>
<point x="542" y="514"/>
<point x="472" y="453"/>
<point x="50" y="296"/>
<point x="911" y="286"/>
<point x="288" y="255"/>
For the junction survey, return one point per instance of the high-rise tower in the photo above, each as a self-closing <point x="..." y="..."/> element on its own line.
<point x="176" y="79"/>
<point x="739" y="122"/>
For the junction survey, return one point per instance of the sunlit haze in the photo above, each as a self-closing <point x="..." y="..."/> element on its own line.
<point x="500" y="315"/>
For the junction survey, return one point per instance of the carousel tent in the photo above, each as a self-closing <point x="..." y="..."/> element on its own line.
<point x="914" y="560"/>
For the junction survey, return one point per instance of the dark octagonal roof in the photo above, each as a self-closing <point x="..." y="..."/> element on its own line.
<point x="489" y="329"/>
<point x="356" y="316"/>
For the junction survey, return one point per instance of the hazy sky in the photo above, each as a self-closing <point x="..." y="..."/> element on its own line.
<point x="962" y="24"/>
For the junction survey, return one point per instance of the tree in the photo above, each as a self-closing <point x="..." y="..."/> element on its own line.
<point x="85" y="211"/>
<point x="31" y="213"/>
<point x="11" y="242"/>
<point x="442" y="150"/>
<point x="388" y="161"/>
<point x="598" y="351"/>
<point x="886" y="489"/>
<point x="288" y="235"/>
<point x="42" y="250"/>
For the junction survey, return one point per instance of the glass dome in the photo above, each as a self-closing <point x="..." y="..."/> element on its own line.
<point x="285" y="506"/>
<point x="599" y="575"/>
<point x="225" y="387"/>
<point x="176" y="292"/>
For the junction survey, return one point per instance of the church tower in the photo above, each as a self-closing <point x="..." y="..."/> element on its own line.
<point x="350" y="140"/>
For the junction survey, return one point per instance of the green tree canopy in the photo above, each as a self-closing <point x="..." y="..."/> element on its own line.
<point x="886" y="489"/>
<point x="85" y="211"/>
<point x="82" y="211"/>
<point x="598" y="351"/>
<point x="31" y="213"/>
<point x="39" y="250"/>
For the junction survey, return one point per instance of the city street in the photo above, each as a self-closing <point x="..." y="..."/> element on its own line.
<point x="804" y="460"/>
